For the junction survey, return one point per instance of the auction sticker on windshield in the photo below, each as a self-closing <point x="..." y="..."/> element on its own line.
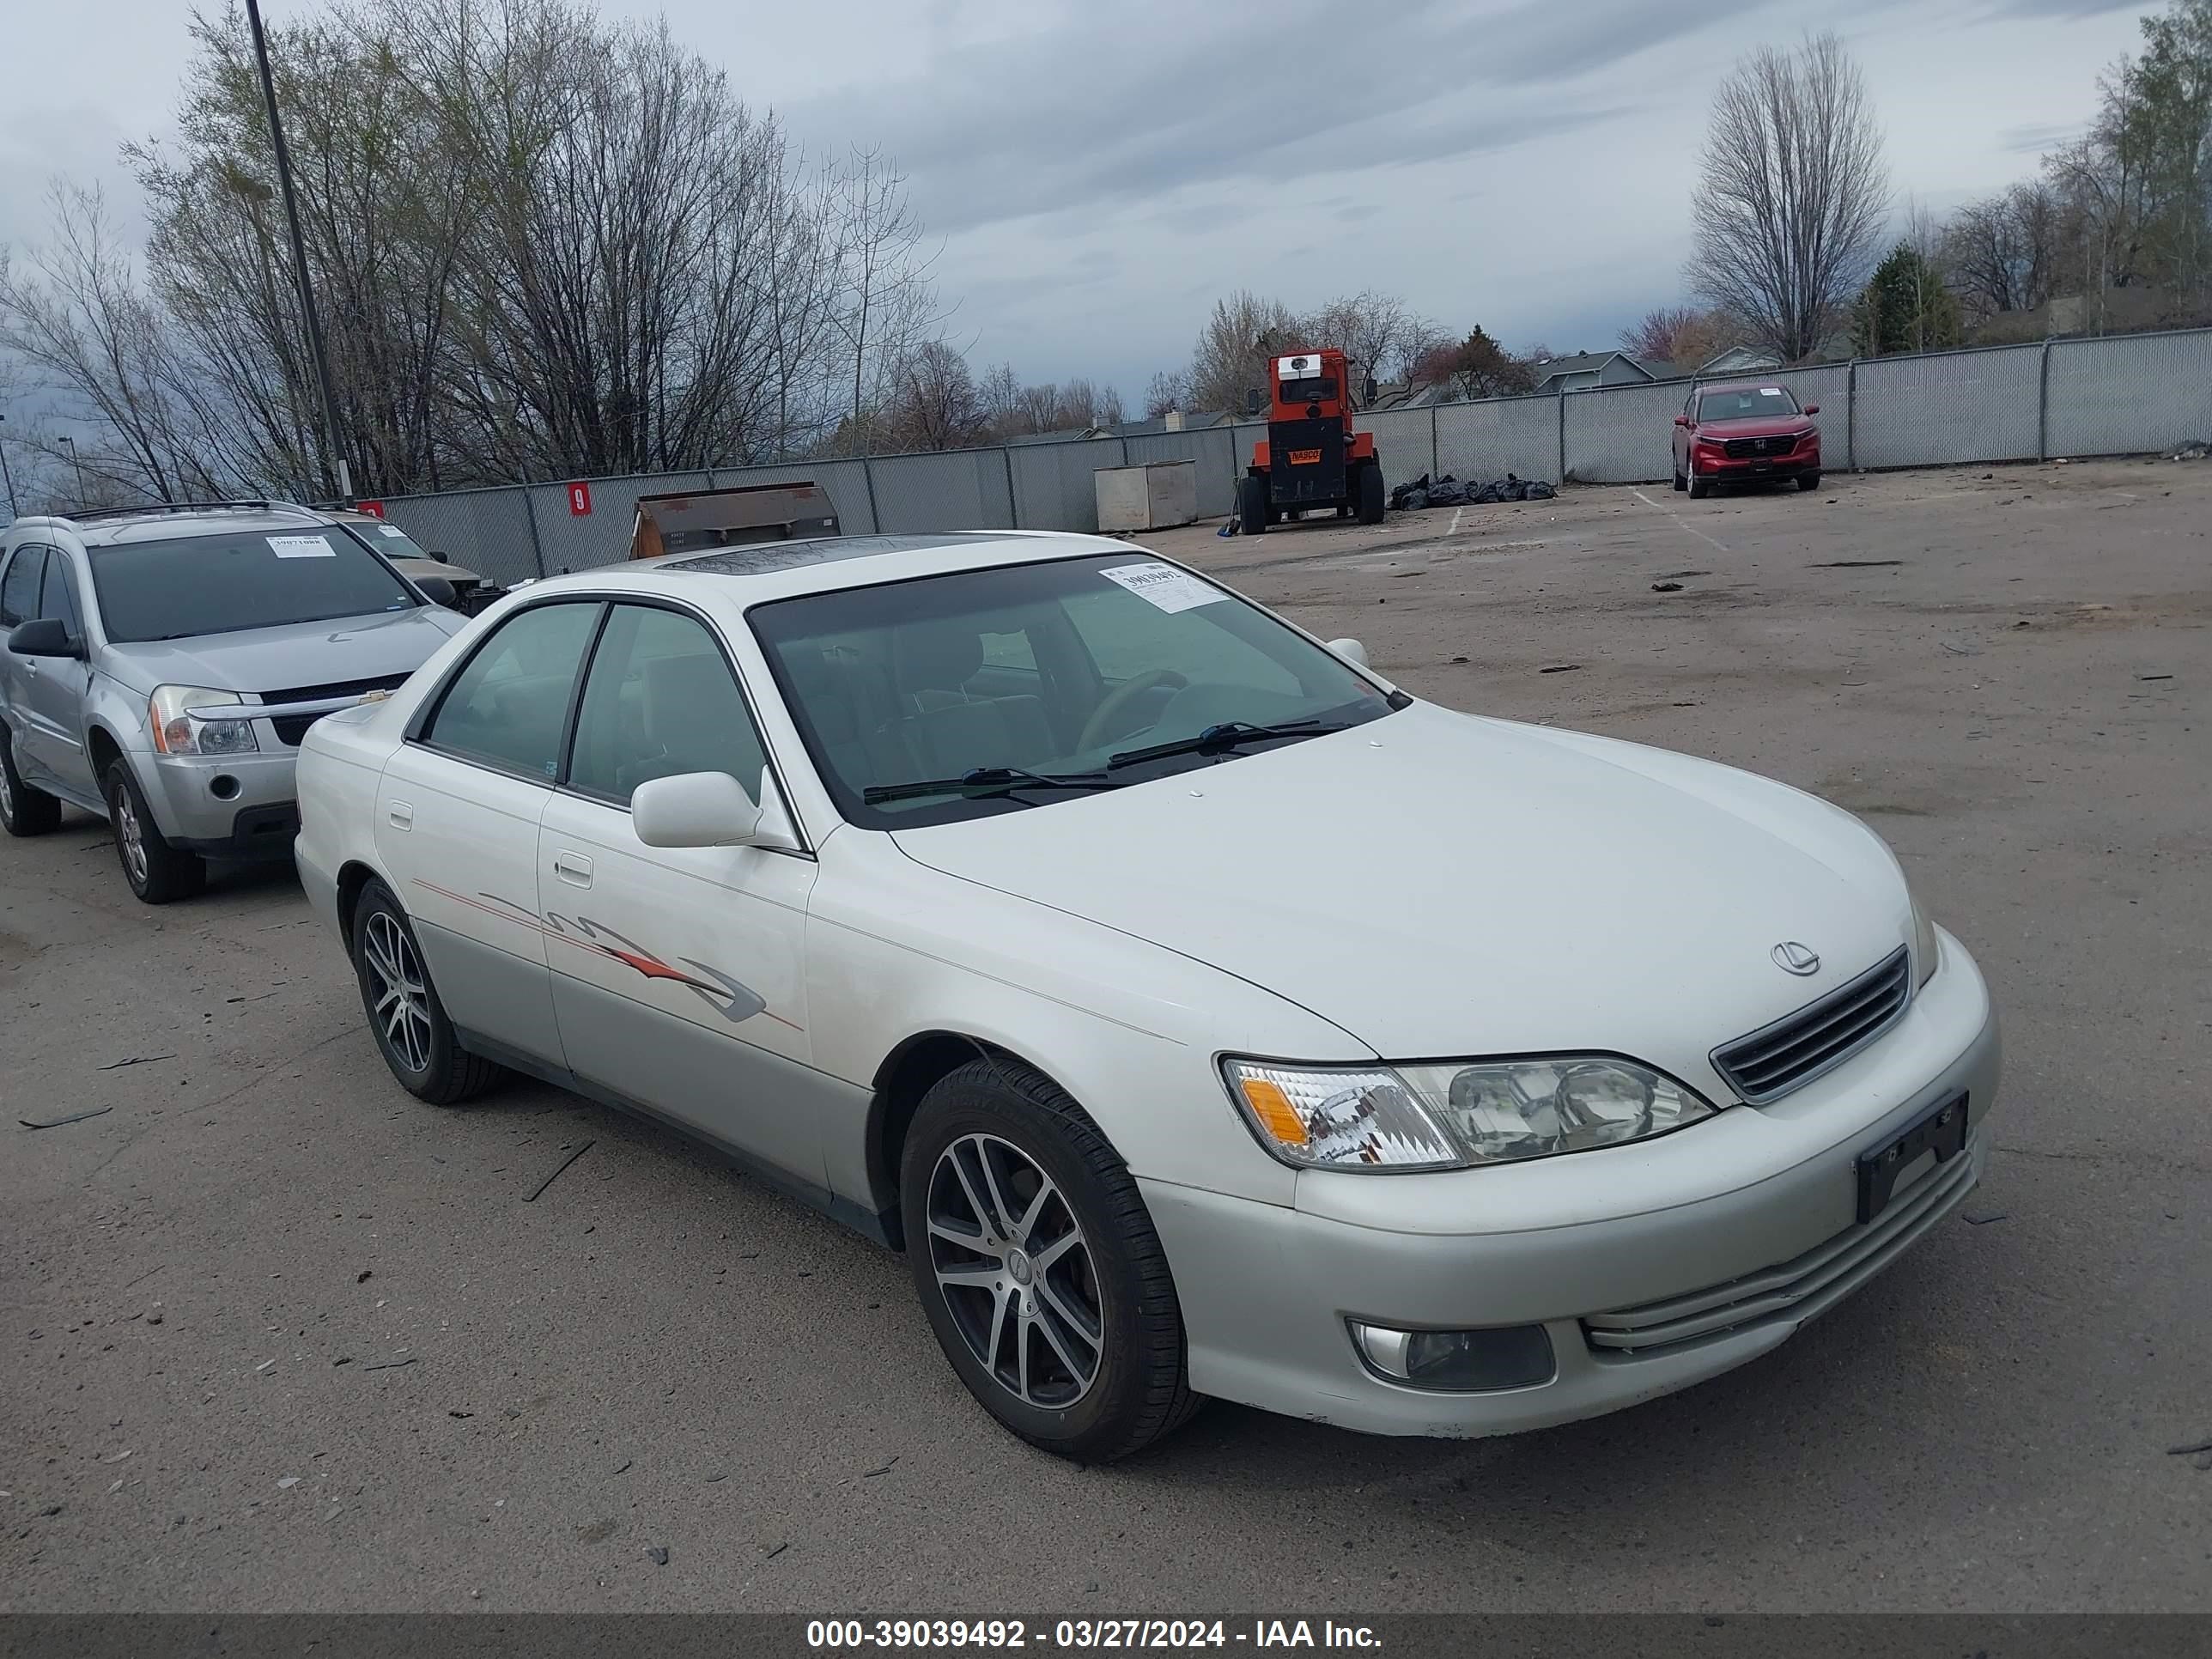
<point x="1163" y="586"/>
<point x="300" y="547"/>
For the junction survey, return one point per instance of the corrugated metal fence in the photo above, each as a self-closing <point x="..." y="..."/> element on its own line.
<point x="2128" y="394"/>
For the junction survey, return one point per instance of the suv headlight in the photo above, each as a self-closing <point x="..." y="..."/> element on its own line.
<point x="1457" y="1113"/>
<point x="175" y="733"/>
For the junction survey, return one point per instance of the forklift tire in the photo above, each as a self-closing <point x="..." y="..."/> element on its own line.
<point x="1252" y="505"/>
<point x="1372" y="500"/>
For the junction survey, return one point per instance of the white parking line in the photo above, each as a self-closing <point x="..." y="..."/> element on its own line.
<point x="1454" y="531"/>
<point x="1681" y="523"/>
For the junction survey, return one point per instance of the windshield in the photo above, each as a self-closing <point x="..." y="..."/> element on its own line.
<point x="392" y="541"/>
<point x="1747" y="404"/>
<point x="1054" y="671"/>
<point x="183" y="588"/>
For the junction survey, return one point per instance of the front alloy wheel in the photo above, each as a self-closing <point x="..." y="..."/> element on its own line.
<point x="1015" y="1271"/>
<point x="1037" y="1266"/>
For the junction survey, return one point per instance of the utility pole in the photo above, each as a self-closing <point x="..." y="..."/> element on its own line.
<point x="315" y="351"/>
<point x="6" y="476"/>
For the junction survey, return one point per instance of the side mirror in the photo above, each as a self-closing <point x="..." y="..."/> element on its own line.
<point x="1350" y="650"/>
<point x="437" y="590"/>
<point x="45" y="636"/>
<point x="1681" y="420"/>
<point x="1812" y="409"/>
<point x="693" y="809"/>
<point x="1255" y="401"/>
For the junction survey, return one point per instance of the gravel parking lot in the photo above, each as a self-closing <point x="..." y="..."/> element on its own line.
<point x="277" y="1336"/>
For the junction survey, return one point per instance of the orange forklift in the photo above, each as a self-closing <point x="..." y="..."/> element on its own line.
<point x="1310" y="457"/>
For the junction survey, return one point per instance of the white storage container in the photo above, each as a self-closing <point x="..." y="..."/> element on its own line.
<point x="1154" y="497"/>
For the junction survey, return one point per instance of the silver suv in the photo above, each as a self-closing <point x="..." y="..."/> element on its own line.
<point x="162" y="664"/>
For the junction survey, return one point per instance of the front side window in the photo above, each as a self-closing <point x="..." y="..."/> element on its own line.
<point x="19" y="586"/>
<point x="661" y="701"/>
<point x="58" y="598"/>
<point x="912" y="685"/>
<point x="509" y="706"/>
<point x="182" y="588"/>
<point x="1747" y="403"/>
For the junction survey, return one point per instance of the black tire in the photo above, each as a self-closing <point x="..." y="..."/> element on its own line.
<point x="23" y="810"/>
<point x="1115" y="1275"/>
<point x="158" y="873"/>
<point x="1700" y="487"/>
<point x="1681" y="483"/>
<point x="416" y="1040"/>
<point x="1373" y="499"/>
<point x="1252" y="505"/>
<point x="1808" y="481"/>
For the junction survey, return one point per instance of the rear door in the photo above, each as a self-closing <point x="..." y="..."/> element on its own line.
<point x="678" y="973"/>
<point x="457" y="822"/>
<point x="54" y="689"/>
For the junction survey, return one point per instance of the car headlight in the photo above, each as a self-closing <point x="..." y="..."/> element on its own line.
<point x="1924" y="948"/>
<point x="175" y="733"/>
<point x="1457" y="1113"/>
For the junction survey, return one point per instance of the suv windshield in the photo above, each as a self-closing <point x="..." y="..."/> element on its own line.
<point x="1747" y="404"/>
<point x="179" y="589"/>
<point x="1043" y="681"/>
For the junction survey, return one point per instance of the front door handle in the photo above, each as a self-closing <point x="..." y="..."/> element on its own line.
<point x="399" y="814"/>
<point x="574" y="868"/>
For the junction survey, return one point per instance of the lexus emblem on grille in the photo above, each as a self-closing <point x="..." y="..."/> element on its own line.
<point x="1791" y="957"/>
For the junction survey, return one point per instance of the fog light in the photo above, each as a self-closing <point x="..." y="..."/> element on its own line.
<point x="223" y="787"/>
<point x="1458" y="1362"/>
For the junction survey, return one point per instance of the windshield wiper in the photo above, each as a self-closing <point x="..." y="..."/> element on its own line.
<point x="990" y="780"/>
<point x="1217" y="739"/>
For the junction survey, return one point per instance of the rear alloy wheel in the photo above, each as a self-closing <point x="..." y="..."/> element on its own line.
<point x="405" y="1014"/>
<point x="23" y="810"/>
<point x="1373" y="500"/>
<point x="1038" y="1267"/>
<point x="158" y="873"/>
<point x="1809" y="481"/>
<point x="1252" y="505"/>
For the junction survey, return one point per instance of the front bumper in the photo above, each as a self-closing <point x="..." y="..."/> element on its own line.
<point x="227" y="807"/>
<point x="1732" y="469"/>
<point x="1675" y="1286"/>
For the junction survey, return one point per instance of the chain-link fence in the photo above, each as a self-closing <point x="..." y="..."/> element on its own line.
<point x="2125" y="394"/>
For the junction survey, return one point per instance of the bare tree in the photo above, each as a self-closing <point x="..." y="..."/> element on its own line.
<point x="1169" y="389"/>
<point x="1378" y="333"/>
<point x="1231" y="357"/>
<point x="2001" y="251"/>
<point x="886" y="307"/>
<point x="934" y="404"/>
<point x="1791" y="192"/>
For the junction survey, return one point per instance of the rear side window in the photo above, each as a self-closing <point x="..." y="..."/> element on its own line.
<point x="661" y="701"/>
<point x="188" y="585"/>
<point x="19" y="586"/>
<point x="508" y="706"/>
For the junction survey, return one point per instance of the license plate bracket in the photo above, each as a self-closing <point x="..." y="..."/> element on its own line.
<point x="1940" y="1129"/>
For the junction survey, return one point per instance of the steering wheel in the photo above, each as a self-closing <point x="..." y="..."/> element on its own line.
<point x="1118" y="700"/>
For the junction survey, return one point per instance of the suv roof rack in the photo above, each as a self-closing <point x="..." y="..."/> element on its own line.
<point x="83" y="513"/>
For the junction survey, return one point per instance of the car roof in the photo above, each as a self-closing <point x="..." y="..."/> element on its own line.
<point x="762" y="571"/>
<point x="156" y="523"/>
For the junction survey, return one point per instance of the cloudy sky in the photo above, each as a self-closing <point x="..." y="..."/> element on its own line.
<point x="1098" y="173"/>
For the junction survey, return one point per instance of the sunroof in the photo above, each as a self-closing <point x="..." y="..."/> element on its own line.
<point x="761" y="557"/>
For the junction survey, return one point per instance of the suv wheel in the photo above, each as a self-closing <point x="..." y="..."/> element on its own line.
<point x="1038" y="1267"/>
<point x="410" y="1022"/>
<point x="158" y="873"/>
<point x="23" y="810"/>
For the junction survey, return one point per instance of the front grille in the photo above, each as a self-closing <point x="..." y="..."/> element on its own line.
<point x="293" y="727"/>
<point x="1790" y="1292"/>
<point x="1739" y="448"/>
<point x="1797" y="1047"/>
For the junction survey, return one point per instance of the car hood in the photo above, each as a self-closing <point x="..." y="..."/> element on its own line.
<point x="298" y="653"/>
<point x="1757" y="426"/>
<point x="1439" y="885"/>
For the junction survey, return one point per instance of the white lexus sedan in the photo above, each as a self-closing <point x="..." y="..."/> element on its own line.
<point x="1200" y="1013"/>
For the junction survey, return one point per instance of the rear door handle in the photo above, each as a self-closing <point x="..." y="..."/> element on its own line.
<point x="399" y="814"/>
<point x="574" y="868"/>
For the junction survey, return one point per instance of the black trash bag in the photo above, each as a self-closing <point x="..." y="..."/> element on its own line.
<point x="1484" y="495"/>
<point x="1446" y="492"/>
<point x="1416" y="499"/>
<point x="1538" y="491"/>
<point x="1400" y="495"/>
